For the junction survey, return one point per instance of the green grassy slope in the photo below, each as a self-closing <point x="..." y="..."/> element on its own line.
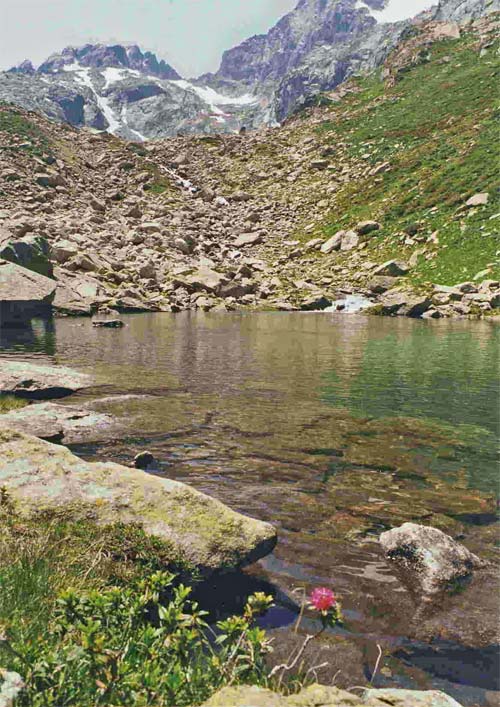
<point x="438" y="128"/>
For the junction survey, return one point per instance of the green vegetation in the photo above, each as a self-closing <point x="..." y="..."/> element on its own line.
<point x="437" y="127"/>
<point x="144" y="645"/>
<point x="17" y="125"/>
<point x="10" y="402"/>
<point x="90" y="616"/>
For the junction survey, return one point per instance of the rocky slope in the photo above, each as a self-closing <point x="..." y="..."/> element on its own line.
<point x="311" y="50"/>
<point x="386" y="191"/>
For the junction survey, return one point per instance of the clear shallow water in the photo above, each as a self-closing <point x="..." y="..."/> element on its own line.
<point x="333" y="427"/>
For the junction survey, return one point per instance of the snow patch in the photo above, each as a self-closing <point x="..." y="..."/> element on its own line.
<point x="83" y="77"/>
<point x="113" y="75"/>
<point x="215" y="99"/>
<point x="397" y="10"/>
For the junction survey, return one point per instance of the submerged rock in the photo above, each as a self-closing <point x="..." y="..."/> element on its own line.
<point x="430" y="560"/>
<point x="205" y="533"/>
<point x="30" y="380"/>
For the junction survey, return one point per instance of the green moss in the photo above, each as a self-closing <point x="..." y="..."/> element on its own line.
<point x="9" y="402"/>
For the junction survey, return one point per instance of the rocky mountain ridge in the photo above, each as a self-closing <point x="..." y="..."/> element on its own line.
<point x="132" y="94"/>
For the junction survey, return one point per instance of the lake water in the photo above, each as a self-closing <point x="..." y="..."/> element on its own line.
<point x="334" y="428"/>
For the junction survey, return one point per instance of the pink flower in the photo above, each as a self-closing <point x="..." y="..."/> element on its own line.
<point x="323" y="599"/>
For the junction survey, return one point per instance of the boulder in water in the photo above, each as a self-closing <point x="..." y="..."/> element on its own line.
<point x="429" y="560"/>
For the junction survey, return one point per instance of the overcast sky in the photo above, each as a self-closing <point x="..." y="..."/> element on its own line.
<point x="189" y="34"/>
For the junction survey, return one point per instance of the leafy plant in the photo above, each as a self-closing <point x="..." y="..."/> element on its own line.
<point x="144" y="645"/>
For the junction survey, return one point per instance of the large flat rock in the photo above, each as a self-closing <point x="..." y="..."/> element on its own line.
<point x="57" y="423"/>
<point x="30" y="380"/>
<point x="23" y="293"/>
<point x="40" y="476"/>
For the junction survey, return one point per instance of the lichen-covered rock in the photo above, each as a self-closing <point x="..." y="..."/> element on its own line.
<point x="322" y="696"/>
<point x="40" y="476"/>
<point x="30" y="380"/>
<point x="409" y="698"/>
<point x="431" y="561"/>
<point x="245" y="696"/>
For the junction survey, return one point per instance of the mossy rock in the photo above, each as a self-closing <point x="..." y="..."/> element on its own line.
<point x="322" y="696"/>
<point x="41" y="477"/>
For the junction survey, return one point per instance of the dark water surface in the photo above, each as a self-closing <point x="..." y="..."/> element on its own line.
<point x="334" y="428"/>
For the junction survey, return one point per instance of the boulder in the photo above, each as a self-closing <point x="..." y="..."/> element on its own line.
<point x="208" y="535"/>
<point x="46" y="179"/>
<point x="333" y="243"/>
<point x="380" y="284"/>
<point x="64" y="250"/>
<point x="247" y="239"/>
<point x="205" y="279"/>
<point x="314" y="244"/>
<point x="323" y="696"/>
<point x="238" y="288"/>
<point x="392" y="268"/>
<point x="365" y="227"/>
<point x="143" y="460"/>
<point x="31" y="252"/>
<point x="477" y="200"/>
<point x="350" y="240"/>
<point x="319" y="164"/>
<point x="403" y="303"/>
<point x="56" y="423"/>
<point x="315" y="303"/>
<point x="408" y="698"/>
<point x="30" y="380"/>
<point x="23" y="294"/>
<point x="429" y="560"/>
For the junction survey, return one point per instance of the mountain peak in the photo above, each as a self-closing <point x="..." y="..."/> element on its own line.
<point x="25" y="67"/>
<point x="100" y="56"/>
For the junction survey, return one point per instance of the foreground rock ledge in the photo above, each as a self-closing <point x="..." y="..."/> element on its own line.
<point x="320" y="696"/>
<point x="210" y="536"/>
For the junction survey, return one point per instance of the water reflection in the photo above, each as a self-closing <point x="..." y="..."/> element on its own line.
<point x="31" y="336"/>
